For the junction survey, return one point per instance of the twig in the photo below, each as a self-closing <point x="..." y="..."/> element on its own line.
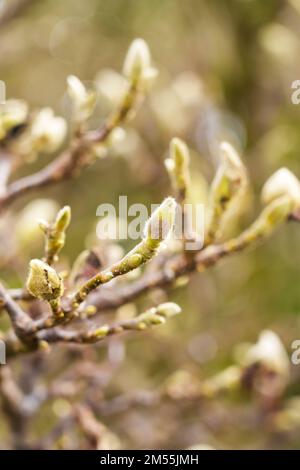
<point x="23" y="325"/>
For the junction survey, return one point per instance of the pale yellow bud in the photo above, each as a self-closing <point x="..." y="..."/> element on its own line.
<point x="178" y="164"/>
<point x="63" y="219"/>
<point x="168" y="309"/>
<point x="83" y="100"/>
<point x="231" y="159"/>
<point x="228" y="184"/>
<point x="161" y="222"/>
<point x="12" y="114"/>
<point x="76" y="89"/>
<point x="282" y="182"/>
<point x="43" y="282"/>
<point x="47" y="131"/>
<point x="270" y="352"/>
<point x="230" y="174"/>
<point x="137" y="60"/>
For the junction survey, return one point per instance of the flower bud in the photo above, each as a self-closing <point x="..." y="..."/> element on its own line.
<point x="55" y="234"/>
<point x="83" y="100"/>
<point x="161" y="222"/>
<point x="63" y="219"/>
<point x="137" y="65"/>
<point x="168" y="309"/>
<point x="178" y="165"/>
<point x="230" y="175"/>
<point x="43" y="282"/>
<point x="228" y="184"/>
<point x="137" y="60"/>
<point x="282" y="182"/>
<point x="270" y="352"/>
<point x="12" y="114"/>
<point x="158" y="315"/>
<point x="47" y="131"/>
<point x="76" y="89"/>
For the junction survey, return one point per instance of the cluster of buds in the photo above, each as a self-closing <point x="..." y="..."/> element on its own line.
<point x="43" y="281"/>
<point x="152" y="317"/>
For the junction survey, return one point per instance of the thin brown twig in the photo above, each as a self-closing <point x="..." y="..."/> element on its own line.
<point x="23" y="325"/>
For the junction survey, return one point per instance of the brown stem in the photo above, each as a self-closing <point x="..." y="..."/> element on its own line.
<point x="23" y="325"/>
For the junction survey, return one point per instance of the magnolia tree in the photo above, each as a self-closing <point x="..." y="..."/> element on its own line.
<point x="57" y="307"/>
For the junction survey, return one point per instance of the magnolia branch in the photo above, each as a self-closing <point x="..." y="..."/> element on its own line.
<point x="69" y="164"/>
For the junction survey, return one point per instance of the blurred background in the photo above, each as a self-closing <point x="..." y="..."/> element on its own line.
<point x="225" y="71"/>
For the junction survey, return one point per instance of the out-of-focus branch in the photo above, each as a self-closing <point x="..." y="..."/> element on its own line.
<point x="177" y="266"/>
<point x="69" y="164"/>
<point x="12" y="405"/>
<point x="22" y="324"/>
<point x="94" y="431"/>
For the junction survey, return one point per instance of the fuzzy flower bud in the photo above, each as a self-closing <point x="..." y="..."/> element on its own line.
<point x="161" y="222"/>
<point x="13" y="113"/>
<point x="43" y="282"/>
<point x="178" y="165"/>
<point x="157" y="229"/>
<point x="270" y="352"/>
<point x="229" y="177"/>
<point x="47" y="131"/>
<point x="137" y="64"/>
<point x="282" y="182"/>
<point x="137" y="59"/>
<point x="83" y="100"/>
<point x="228" y="184"/>
<point x="158" y="315"/>
<point x="168" y="309"/>
<point x="63" y="219"/>
<point x="55" y="233"/>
